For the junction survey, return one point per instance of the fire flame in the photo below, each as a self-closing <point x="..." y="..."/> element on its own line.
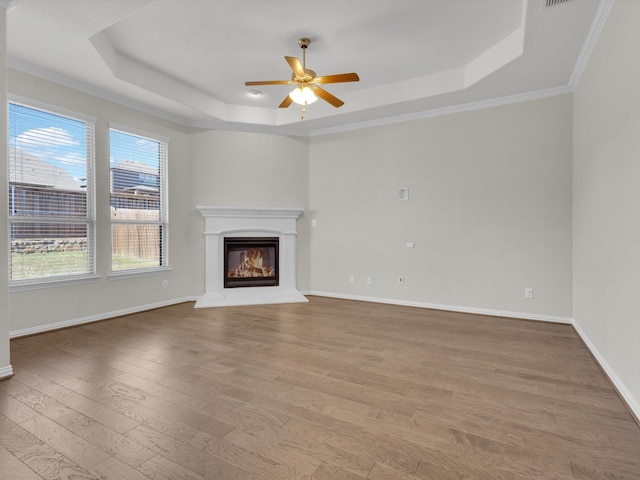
<point x="251" y="265"/>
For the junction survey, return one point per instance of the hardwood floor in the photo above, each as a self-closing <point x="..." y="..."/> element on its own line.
<point x="329" y="390"/>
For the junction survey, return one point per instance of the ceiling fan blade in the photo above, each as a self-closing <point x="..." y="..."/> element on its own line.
<point x="268" y="82"/>
<point x="327" y="97"/>
<point x="286" y="102"/>
<point x="341" y="77"/>
<point x="296" y="66"/>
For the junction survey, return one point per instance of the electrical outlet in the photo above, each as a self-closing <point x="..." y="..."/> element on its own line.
<point x="400" y="280"/>
<point x="352" y="279"/>
<point x="528" y="293"/>
<point x="165" y="283"/>
<point x="369" y="281"/>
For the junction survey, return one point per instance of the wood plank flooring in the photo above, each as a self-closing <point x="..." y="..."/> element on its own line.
<point x="329" y="390"/>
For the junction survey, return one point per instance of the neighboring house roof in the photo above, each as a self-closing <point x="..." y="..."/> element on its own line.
<point x="27" y="169"/>
<point x="135" y="166"/>
<point x="142" y="189"/>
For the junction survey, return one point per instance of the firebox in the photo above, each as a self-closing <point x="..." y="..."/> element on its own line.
<point x="251" y="262"/>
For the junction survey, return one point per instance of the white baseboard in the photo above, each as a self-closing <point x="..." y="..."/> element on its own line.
<point x="623" y="391"/>
<point x="449" y="308"/>
<point x="632" y="402"/>
<point x="6" y="372"/>
<point x="628" y="397"/>
<point x="95" y="318"/>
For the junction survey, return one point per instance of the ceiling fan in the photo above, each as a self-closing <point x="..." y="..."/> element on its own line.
<point x="308" y="85"/>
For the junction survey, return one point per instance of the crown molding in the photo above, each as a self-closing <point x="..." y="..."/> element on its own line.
<point x="437" y="112"/>
<point x="292" y="129"/>
<point x="279" y="130"/>
<point x="602" y="15"/>
<point x="9" y="4"/>
<point x="83" y="87"/>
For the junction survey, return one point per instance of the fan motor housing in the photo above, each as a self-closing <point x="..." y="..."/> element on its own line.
<point x="309" y="76"/>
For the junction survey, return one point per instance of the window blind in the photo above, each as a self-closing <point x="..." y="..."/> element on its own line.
<point x="51" y="214"/>
<point x="138" y="201"/>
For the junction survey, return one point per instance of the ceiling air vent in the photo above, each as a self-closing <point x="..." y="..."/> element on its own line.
<point x="553" y="3"/>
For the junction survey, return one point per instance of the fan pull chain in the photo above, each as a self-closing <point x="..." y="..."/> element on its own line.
<point x="304" y="109"/>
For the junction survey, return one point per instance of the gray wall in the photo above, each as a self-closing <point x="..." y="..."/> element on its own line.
<point x="606" y="186"/>
<point x="489" y="209"/>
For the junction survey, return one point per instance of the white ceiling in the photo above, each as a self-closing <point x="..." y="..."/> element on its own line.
<point x="187" y="60"/>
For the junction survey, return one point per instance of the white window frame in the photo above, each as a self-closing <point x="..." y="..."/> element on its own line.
<point x="89" y="220"/>
<point x="164" y="207"/>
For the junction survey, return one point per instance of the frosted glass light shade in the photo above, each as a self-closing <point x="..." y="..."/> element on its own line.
<point x="303" y="96"/>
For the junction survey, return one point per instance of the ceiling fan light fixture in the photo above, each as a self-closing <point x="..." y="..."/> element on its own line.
<point x="303" y="96"/>
<point x="309" y="87"/>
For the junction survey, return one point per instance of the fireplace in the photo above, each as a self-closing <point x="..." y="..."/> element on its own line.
<point x="230" y="231"/>
<point x="251" y="262"/>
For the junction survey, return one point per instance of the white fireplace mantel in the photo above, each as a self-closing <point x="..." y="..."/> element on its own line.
<point x="221" y="222"/>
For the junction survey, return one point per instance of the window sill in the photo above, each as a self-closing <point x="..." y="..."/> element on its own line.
<point x="34" y="284"/>
<point x="124" y="274"/>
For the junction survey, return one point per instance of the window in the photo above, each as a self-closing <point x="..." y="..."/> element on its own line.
<point x="51" y="212"/>
<point x="139" y="222"/>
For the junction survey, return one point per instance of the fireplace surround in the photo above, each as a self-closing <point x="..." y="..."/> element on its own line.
<point x="245" y="226"/>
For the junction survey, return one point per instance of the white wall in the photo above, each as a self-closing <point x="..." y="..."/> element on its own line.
<point x="489" y="209"/>
<point x="606" y="198"/>
<point x="5" y="367"/>
<point x="106" y="296"/>
<point x="237" y="169"/>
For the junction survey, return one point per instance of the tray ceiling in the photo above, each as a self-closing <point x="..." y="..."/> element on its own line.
<point x="187" y="60"/>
